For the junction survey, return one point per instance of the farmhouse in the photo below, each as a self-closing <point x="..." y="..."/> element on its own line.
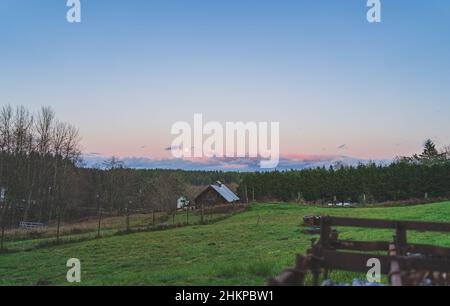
<point x="216" y="194"/>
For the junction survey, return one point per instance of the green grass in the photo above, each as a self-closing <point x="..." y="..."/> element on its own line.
<point x="235" y="251"/>
<point x="20" y="240"/>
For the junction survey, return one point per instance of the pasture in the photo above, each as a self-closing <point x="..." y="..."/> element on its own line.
<point x="244" y="249"/>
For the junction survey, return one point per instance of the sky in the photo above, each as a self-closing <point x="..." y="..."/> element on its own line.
<point x="336" y="83"/>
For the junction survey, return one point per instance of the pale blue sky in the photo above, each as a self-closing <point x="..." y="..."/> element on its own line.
<point x="132" y="68"/>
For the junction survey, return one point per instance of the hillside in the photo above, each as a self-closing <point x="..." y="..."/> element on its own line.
<point x="243" y="250"/>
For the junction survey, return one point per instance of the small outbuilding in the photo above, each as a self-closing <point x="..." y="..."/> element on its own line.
<point x="216" y="194"/>
<point x="182" y="203"/>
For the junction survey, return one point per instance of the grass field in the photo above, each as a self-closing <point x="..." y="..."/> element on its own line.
<point x="86" y="229"/>
<point x="245" y="249"/>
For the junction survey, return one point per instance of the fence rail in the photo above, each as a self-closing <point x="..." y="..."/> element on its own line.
<point x="30" y="225"/>
<point x="404" y="263"/>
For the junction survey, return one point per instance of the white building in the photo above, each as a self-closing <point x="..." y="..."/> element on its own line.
<point x="182" y="202"/>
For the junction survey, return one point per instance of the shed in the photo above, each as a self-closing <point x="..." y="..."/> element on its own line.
<point x="216" y="194"/>
<point x="182" y="202"/>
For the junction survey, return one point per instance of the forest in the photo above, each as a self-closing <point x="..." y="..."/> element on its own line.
<point x="425" y="175"/>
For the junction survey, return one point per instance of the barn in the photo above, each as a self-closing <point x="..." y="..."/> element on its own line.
<point x="216" y="194"/>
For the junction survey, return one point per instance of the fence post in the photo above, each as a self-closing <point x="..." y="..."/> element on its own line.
<point x="99" y="212"/>
<point x="2" y="239"/>
<point x="400" y="238"/>
<point x="202" y="214"/>
<point x="58" y="224"/>
<point x="246" y="194"/>
<point x="127" y="219"/>
<point x="325" y="231"/>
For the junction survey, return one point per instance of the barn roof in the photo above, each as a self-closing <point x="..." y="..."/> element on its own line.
<point x="225" y="192"/>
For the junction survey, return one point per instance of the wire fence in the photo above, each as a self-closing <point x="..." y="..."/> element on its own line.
<point x="28" y="235"/>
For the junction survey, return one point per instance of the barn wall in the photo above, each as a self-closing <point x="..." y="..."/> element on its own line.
<point x="209" y="198"/>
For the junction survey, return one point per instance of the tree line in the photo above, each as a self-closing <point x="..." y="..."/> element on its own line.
<point x="38" y="158"/>
<point x="418" y="176"/>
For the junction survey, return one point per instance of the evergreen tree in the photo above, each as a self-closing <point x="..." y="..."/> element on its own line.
<point x="430" y="154"/>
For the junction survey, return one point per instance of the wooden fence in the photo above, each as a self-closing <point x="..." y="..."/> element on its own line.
<point x="404" y="263"/>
